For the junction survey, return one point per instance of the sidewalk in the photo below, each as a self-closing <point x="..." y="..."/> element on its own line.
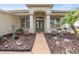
<point x="40" y="45"/>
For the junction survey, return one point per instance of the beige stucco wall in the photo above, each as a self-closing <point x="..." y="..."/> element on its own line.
<point x="6" y="20"/>
<point x="46" y="10"/>
<point x="34" y="9"/>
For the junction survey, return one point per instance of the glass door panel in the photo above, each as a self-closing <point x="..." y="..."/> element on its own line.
<point x="39" y="24"/>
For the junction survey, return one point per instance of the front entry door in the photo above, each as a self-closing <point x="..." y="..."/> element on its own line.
<point x="40" y="23"/>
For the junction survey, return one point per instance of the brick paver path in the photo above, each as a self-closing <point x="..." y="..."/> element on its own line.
<point x="40" y="45"/>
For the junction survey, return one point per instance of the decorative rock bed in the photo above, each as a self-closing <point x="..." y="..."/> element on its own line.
<point x="24" y="43"/>
<point x="63" y="44"/>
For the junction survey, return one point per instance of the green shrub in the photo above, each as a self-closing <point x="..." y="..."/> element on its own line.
<point x="19" y="31"/>
<point x="77" y="29"/>
<point x="1" y="39"/>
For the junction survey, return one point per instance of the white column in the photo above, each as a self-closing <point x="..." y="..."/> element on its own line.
<point x="31" y="24"/>
<point x="48" y="23"/>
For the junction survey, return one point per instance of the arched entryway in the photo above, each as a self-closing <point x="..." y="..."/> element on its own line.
<point x="39" y="17"/>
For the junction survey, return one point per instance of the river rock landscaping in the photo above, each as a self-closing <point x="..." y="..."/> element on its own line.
<point x="62" y="43"/>
<point x="24" y="42"/>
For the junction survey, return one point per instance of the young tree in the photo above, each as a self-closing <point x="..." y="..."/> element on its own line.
<point x="71" y="17"/>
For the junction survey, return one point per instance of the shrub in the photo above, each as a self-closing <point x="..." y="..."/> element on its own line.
<point x="2" y="39"/>
<point x="19" y="31"/>
<point x="77" y="29"/>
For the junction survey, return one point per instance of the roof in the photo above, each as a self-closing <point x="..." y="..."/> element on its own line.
<point x="39" y="5"/>
<point x="53" y="11"/>
<point x="3" y="11"/>
<point x="59" y="11"/>
<point x="25" y="12"/>
<point x="17" y="11"/>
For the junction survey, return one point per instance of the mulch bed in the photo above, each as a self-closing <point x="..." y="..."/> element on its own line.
<point x="62" y="43"/>
<point x="27" y="43"/>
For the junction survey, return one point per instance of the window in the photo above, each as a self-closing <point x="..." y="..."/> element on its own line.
<point x="57" y="20"/>
<point x="22" y="22"/>
<point x="25" y="23"/>
<point x="54" y="21"/>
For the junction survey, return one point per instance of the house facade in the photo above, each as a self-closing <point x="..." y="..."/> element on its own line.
<point x="38" y="17"/>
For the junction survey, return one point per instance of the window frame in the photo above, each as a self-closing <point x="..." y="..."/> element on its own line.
<point x="26" y="23"/>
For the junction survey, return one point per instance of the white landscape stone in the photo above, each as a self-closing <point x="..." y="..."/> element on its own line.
<point x="19" y="43"/>
<point x="57" y="42"/>
<point x="78" y="45"/>
<point x="61" y="34"/>
<point x="66" y="40"/>
<point x="59" y="31"/>
<point x="55" y="38"/>
<point x="67" y="51"/>
<point x="6" y="46"/>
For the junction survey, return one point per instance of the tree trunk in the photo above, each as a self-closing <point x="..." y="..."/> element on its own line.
<point x="73" y="27"/>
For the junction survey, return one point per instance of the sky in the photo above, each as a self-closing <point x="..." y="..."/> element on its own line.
<point x="65" y="6"/>
<point x="23" y="6"/>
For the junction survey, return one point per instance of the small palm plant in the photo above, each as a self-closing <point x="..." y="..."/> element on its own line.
<point x="14" y="34"/>
<point x="13" y="30"/>
<point x="71" y="17"/>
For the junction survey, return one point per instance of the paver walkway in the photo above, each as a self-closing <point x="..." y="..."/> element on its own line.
<point x="40" y="45"/>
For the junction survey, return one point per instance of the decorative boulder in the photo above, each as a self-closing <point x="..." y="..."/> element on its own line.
<point x="16" y="37"/>
<point x="54" y="33"/>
